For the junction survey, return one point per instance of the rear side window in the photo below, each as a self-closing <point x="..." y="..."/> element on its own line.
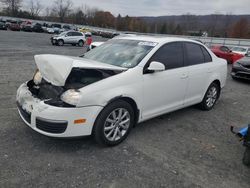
<point x="77" y="34"/>
<point x="171" y="55"/>
<point x="207" y="56"/>
<point x="194" y="54"/>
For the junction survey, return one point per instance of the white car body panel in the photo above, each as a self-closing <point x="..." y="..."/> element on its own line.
<point x="39" y="109"/>
<point x="154" y="94"/>
<point x="160" y="99"/>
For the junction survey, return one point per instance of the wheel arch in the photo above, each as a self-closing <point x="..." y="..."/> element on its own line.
<point x="217" y="82"/>
<point x="131" y="101"/>
<point x="126" y="99"/>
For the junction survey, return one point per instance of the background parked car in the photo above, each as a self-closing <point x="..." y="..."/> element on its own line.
<point x="241" y="50"/>
<point x="241" y="68"/>
<point x="14" y="26"/>
<point x="3" y="26"/>
<point x="54" y="29"/>
<point x="69" y="37"/>
<point x="37" y="28"/>
<point x="27" y="27"/>
<point x="225" y="53"/>
<point x="65" y="28"/>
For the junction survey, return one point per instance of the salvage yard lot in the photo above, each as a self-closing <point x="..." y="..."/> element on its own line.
<point x="187" y="148"/>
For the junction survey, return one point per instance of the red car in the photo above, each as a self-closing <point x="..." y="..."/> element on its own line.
<point x="14" y="27"/>
<point x="225" y="53"/>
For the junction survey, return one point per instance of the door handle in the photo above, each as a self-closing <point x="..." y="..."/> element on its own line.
<point x="184" y="76"/>
<point x="209" y="71"/>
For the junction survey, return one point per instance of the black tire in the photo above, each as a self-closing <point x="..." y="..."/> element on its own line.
<point x="80" y="43"/>
<point x="73" y="44"/>
<point x="60" y="42"/>
<point x="204" y="104"/>
<point x="246" y="157"/>
<point x="235" y="78"/>
<point x="98" y="130"/>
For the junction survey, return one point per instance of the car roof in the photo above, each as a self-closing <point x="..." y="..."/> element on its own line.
<point x="157" y="39"/>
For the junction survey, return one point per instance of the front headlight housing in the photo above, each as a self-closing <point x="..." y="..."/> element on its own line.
<point x="71" y="96"/>
<point x="37" y="79"/>
<point x="236" y="64"/>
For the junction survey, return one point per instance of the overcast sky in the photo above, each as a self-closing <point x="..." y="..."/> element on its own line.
<point x="162" y="7"/>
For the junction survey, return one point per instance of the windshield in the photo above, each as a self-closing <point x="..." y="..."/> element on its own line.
<point x="63" y="33"/>
<point x="121" y="52"/>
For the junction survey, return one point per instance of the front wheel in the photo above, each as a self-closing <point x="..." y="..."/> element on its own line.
<point x="60" y="43"/>
<point x="114" y="123"/>
<point x="211" y="97"/>
<point x="246" y="157"/>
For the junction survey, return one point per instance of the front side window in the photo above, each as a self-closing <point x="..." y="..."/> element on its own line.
<point x="171" y="55"/>
<point x="194" y="54"/>
<point x="69" y="34"/>
<point x="121" y="52"/>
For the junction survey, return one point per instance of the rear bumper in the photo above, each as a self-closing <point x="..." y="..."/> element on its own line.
<point x="54" y="121"/>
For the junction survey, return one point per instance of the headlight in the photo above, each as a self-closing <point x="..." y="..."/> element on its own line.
<point x="71" y="96"/>
<point x="37" y="77"/>
<point x="236" y="64"/>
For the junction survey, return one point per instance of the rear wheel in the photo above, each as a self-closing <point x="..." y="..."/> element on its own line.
<point x="114" y="123"/>
<point x="211" y="97"/>
<point x="80" y="43"/>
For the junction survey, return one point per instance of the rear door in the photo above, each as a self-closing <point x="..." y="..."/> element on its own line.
<point x="164" y="91"/>
<point x="77" y="37"/>
<point x="199" y="63"/>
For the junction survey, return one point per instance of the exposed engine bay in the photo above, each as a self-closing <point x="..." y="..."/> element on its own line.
<point x="78" y="78"/>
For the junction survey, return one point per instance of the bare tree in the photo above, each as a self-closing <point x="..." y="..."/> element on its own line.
<point x="35" y="8"/>
<point x="240" y="29"/>
<point x="62" y="8"/>
<point x="12" y="6"/>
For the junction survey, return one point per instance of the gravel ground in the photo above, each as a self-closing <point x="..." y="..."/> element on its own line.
<point x="187" y="148"/>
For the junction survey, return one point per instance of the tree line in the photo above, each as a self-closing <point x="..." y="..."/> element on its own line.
<point x="64" y="11"/>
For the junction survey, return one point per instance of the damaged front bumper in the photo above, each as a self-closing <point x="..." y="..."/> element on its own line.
<point x="55" y="121"/>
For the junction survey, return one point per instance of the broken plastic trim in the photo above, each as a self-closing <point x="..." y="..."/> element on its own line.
<point x="78" y="78"/>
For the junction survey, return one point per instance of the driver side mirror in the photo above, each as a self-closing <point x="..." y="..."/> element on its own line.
<point x="155" y="66"/>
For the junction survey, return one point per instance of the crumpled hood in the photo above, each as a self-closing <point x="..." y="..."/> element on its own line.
<point x="56" y="68"/>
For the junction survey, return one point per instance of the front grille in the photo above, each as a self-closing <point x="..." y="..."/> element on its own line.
<point x="246" y="66"/>
<point x="243" y="75"/>
<point x="26" y="115"/>
<point x="51" y="126"/>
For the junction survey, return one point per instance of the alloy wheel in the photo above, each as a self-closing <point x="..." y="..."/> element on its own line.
<point x="212" y="96"/>
<point x="117" y="124"/>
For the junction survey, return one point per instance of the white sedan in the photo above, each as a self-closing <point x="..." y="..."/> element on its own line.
<point x="124" y="81"/>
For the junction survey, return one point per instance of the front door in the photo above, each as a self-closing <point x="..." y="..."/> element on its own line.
<point x="165" y="91"/>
